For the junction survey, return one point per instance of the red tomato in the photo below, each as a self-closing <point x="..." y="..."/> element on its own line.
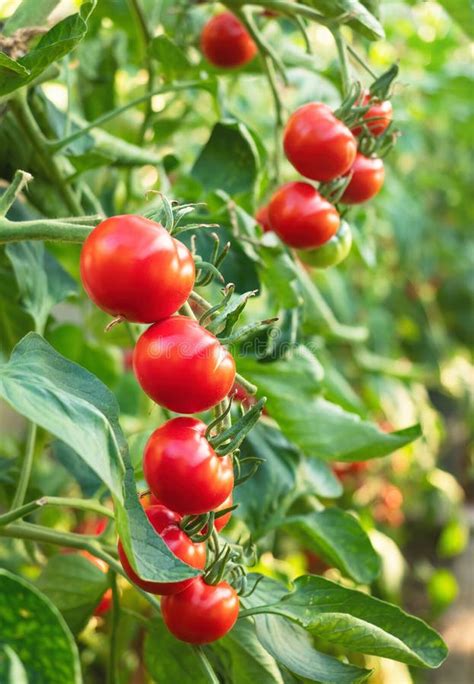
<point x="182" y="366"/>
<point x="226" y="43"/>
<point x="166" y="524"/>
<point x="220" y="523"/>
<point x="318" y="145"/>
<point x="367" y="179"/>
<point x="182" y="469"/>
<point x="263" y="219"/>
<point x="132" y="267"/>
<point x="202" y="613"/>
<point x="380" y="115"/>
<point x="92" y="526"/>
<point x="343" y="470"/>
<point x="301" y="217"/>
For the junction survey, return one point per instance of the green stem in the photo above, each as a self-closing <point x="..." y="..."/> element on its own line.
<point x="342" y="53"/>
<point x="301" y="25"/>
<point x="56" y="145"/>
<point x="20" y="179"/>
<point x="81" y="504"/>
<point x="26" y="467"/>
<point x="187" y="311"/>
<point x="114" y="660"/>
<point x="206" y="664"/>
<point x="146" y="37"/>
<point x="290" y="8"/>
<point x="278" y="104"/>
<point x="265" y="49"/>
<point x="42" y="229"/>
<point x="21" y="110"/>
<point x="361" y="61"/>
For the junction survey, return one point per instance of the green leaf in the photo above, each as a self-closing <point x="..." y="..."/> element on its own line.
<point x="170" y="660"/>
<point x="11" y="667"/>
<point x="315" y="425"/>
<point x="292" y="647"/>
<point x="74" y="585"/>
<point x="172" y="59"/>
<point x="14" y="322"/>
<point x="41" y="281"/>
<point x="87" y="479"/>
<point x="338" y="537"/>
<point x="34" y="628"/>
<point x="315" y="477"/>
<point x="363" y="21"/>
<point x="229" y="160"/>
<point x="359" y="623"/>
<point x="299" y="369"/>
<point x="29" y="13"/>
<point x="248" y="661"/>
<point x="69" y="402"/>
<point x="8" y="63"/>
<point x="54" y="45"/>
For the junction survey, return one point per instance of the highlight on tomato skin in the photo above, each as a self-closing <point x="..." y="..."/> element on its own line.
<point x="301" y="217"/>
<point x="226" y="43"/>
<point x="166" y="524"/>
<point x="202" y="613"/>
<point x="182" y="469"/>
<point x="320" y="146"/>
<point x="182" y="366"/>
<point x="133" y="268"/>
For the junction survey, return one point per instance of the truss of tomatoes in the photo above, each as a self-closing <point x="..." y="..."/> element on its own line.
<point x="132" y="268"/>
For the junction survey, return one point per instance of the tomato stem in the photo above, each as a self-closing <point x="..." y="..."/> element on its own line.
<point x="342" y="53"/>
<point x="113" y="664"/>
<point x="20" y="179"/>
<point x="19" y="511"/>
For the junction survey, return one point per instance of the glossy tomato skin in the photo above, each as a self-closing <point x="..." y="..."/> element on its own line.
<point x="132" y="267"/>
<point x="368" y="174"/>
<point x="182" y="469"/>
<point x="263" y="219"/>
<point x="226" y="43"/>
<point x="318" y="144"/>
<point x="301" y="217"/>
<point x="182" y="366"/>
<point x="166" y="524"/>
<point x="202" y="613"/>
<point x="220" y="523"/>
<point x="378" y="116"/>
<point x="332" y="252"/>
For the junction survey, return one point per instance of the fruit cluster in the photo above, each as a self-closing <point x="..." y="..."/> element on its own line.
<point x="132" y="268"/>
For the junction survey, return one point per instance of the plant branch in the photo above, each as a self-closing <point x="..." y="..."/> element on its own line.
<point x="206" y="664"/>
<point x="20" y="179"/>
<point x="361" y="61"/>
<point x="19" y="511"/>
<point x="342" y="53"/>
<point x="26" y="467"/>
<point x="42" y="229"/>
<point x="289" y="8"/>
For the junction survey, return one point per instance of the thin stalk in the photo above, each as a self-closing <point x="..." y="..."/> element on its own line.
<point x="361" y="61"/>
<point x="265" y="49"/>
<point x="145" y="37"/>
<point x="26" y="467"/>
<point x="20" y="179"/>
<point x="81" y="504"/>
<point x="56" y="145"/>
<point x="278" y="104"/>
<point x="187" y="311"/>
<point x="344" y="63"/>
<point x="307" y="43"/>
<point x="206" y="664"/>
<point x="290" y="8"/>
<point x="42" y="229"/>
<point x="21" y="111"/>
<point x="114" y="660"/>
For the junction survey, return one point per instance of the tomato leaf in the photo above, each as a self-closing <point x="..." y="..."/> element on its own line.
<point x="11" y="667"/>
<point x="170" y="660"/>
<point x="34" y="628"/>
<point x="339" y="538"/>
<point x="361" y="20"/>
<point x="229" y="160"/>
<point x="29" y="13"/>
<point x="172" y="59"/>
<point x="74" y="585"/>
<point x="358" y="622"/>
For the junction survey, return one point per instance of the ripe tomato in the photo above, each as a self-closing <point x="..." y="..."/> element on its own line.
<point x="182" y="469"/>
<point x="166" y="524"/>
<point x="226" y="43"/>
<point x="202" y="613"/>
<point x="318" y="145"/>
<point x="332" y="252"/>
<point x="182" y="366"/>
<point x="92" y="526"/>
<point x="105" y="602"/>
<point x="367" y="178"/>
<point x="263" y="218"/>
<point x="132" y="267"/>
<point x="379" y="116"/>
<point x="220" y="523"/>
<point x="301" y="217"/>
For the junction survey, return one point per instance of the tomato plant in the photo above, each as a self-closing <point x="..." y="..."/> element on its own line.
<point x="186" y="227"/>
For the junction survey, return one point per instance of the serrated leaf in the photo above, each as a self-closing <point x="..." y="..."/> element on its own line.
<point x="229" y="160"/>
<point x="358" y="622"/>
<point x="339" y="538"/>
<point x="34" y="628"/>
<point x="74" y="585"/>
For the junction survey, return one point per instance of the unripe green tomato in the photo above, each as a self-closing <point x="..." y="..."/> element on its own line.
<point x="332" y="252"/>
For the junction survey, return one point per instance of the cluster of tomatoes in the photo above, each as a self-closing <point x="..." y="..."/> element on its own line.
<point x="133" y="269"/>
<point x="321" y="148"/>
